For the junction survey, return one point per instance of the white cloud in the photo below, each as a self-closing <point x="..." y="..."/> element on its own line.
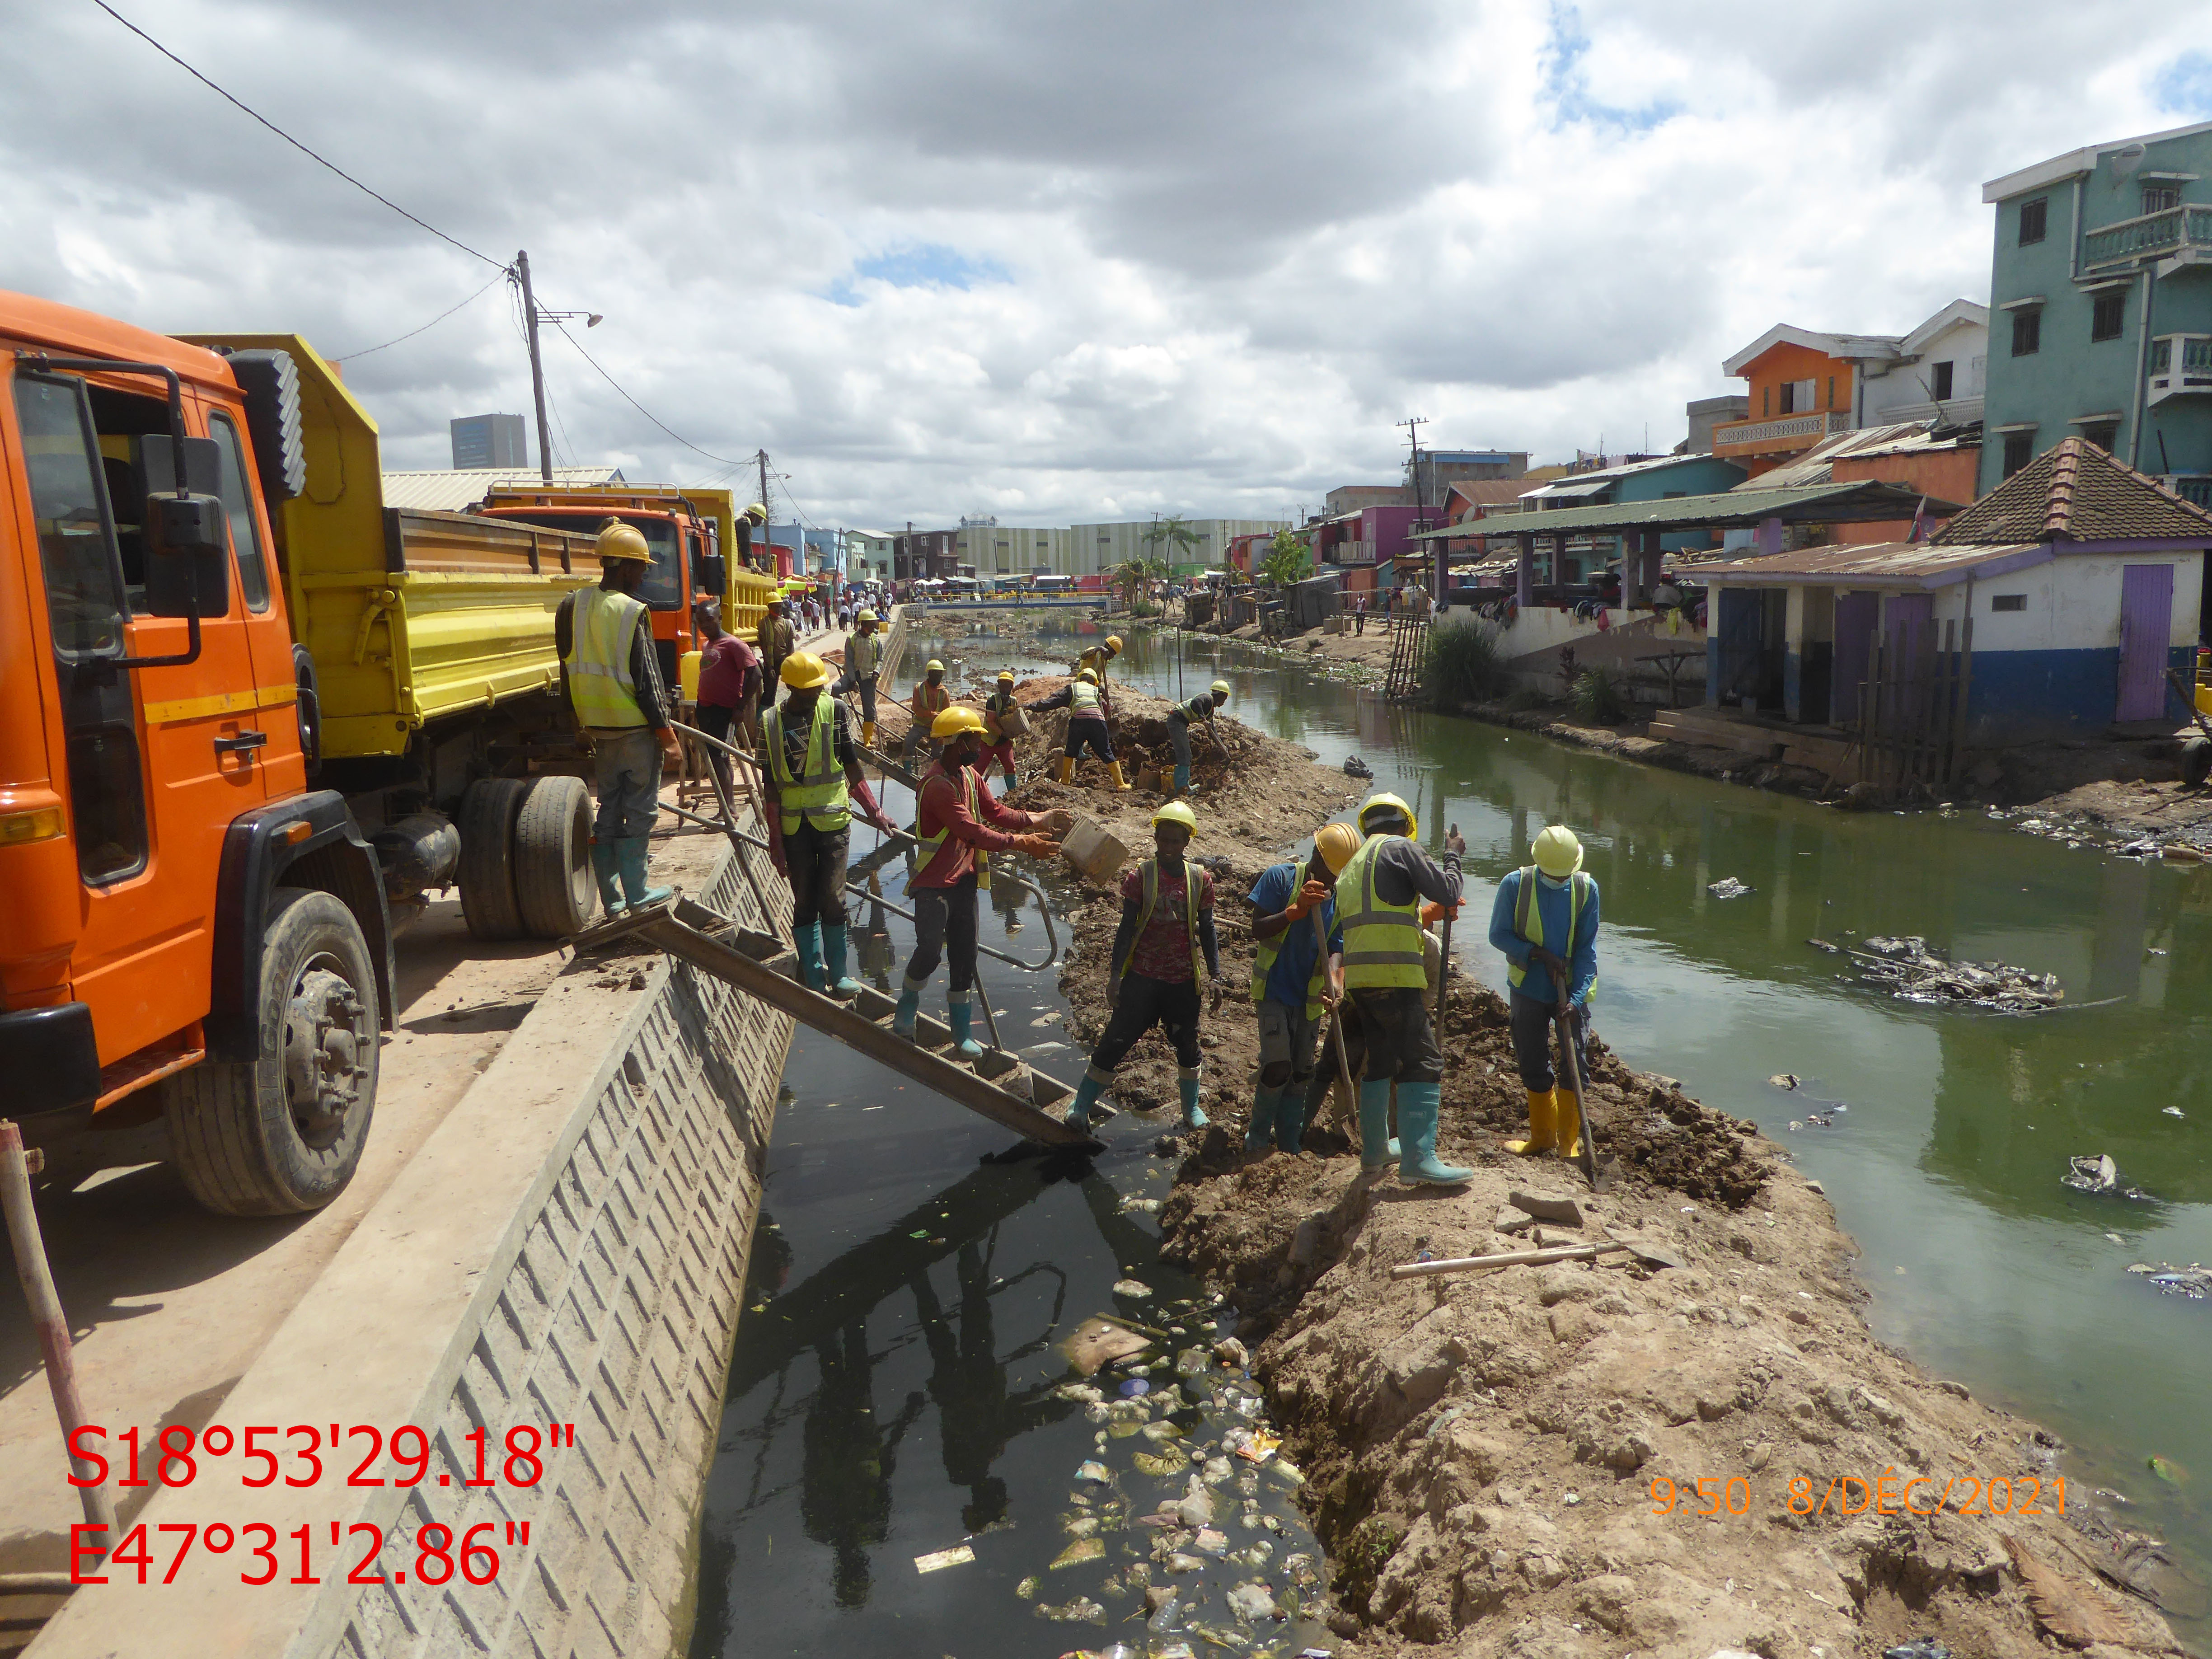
<point x="1058" y="261"/>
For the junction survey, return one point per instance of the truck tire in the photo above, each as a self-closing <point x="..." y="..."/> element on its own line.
<point x="553" y="881"/>
<point x="285" y="1134"/>
<point x="487" y="872"/>
<point x="2196" y="760"/>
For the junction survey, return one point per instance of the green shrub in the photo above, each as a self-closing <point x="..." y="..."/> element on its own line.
<point x="1464" y="665"/>
<point x="1598" y="697"/>
<point x="1526" y="699"/>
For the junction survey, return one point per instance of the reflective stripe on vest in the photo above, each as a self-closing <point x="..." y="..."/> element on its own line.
<point x="931" y="843"/>
<point x="1150" y="869"/>
<point x="818" y="792"/>
<point x="1529" y="921"/>
<point x="601" y="624"/>
<point x="862" y="652"/>
<point x="1381" y="942"/>
<point x="1263" y="957"/>
<point x="1083" y="702"/>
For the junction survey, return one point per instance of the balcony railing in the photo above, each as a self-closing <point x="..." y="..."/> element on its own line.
<point x="1741" y="433"/>
<point x="2149" y="235"/>
<point x="2195" y="489"/>
<point x="2179" y="364"/>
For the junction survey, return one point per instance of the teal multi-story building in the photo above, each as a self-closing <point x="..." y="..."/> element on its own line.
<point x="2100" y="309"/>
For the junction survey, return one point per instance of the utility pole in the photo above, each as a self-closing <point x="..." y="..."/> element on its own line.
<point x="1413" y="424"/>
<point x="537" y="366"/>
<point x="761" y="456"/>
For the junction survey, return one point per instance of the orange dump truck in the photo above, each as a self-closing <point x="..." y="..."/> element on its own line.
<point x="249" y="716"/>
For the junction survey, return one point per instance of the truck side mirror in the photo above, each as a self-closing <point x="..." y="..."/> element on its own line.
<point x="714" y="574"/>
<point x="188" y="534"/>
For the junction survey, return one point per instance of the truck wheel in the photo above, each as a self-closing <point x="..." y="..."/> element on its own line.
<point x="553" y="881"/>
<point x="284" y="1132"/>
<point x="487" y="872"/>
<point x="2196" y="760"/>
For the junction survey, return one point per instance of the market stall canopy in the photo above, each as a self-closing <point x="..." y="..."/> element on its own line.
<point x="1912" y="567"/>
<point x="1852" y="502"/>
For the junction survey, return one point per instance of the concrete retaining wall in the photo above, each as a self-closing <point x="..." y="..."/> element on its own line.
<point x="569" y="1247"/>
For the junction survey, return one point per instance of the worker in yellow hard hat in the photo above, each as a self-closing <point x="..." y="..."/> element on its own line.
<point x="864" y="660"/>
<point x="1004" y="720"/>
<point x="812" y="776"/>
<point x="774" y="640"/>
<point x="1294" y="981"/>
<point x="1544" y="923"/>
<point x="610" y="672"/>
<point x="1095" y="658"/>
<point x="1165" y="949"/>
<point x="959" y="823"/>
<point x="930" y="697"/>
<point x="1379" y="900"/>
<point x="748" y="521"/>
<point x="1200" y="707"/>
<point x="1086" y="725"/>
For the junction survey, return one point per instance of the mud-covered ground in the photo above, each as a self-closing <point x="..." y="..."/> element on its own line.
<point x="1508" y="1462"/>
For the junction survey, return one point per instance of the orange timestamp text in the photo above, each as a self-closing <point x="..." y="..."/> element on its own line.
<point x="1886" y="1493"/>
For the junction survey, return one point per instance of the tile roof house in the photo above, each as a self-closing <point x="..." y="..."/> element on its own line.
<point x="2078" y="491"/>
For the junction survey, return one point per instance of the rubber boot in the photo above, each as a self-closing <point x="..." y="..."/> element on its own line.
<point x="1571" y="1125"/>
<point x="1267" y="1103"/>
<point x="868" y="733"/>
<point x="1417" y="1106"/>
<point x="604" y="872"/>
<point x="807" y="936"/>
<point x="1187" y="1086"/>
<point x="908" y="1009"/>
<point x="841" y="985"/>
<point x="1087" y="1095"/>
<point x="1183" y="780"/>
<point x="961" y="1013"/>
<point x="1066" y="768"/>
<point x="1376" y="1149"/>
<point x="1543" y="1126"/>
<point x="1291" y="1121"/>
<point x="1013" y="780"/>
<point x="629" y="858"/>
<point x="1114" y="771"/>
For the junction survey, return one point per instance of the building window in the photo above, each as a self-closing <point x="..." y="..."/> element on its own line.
<point x="2103" y="434"/>
<point x="2009" y="601"/>
<point x="2032" y="216"/>
<point x="2107" y="316"/>
<point x="2019" y="447"/>
<point x="1797" y="397"/>
<point x="1942" y="389"/>
<point x="2157" y="198"/>
<point x="2027" y="331"/>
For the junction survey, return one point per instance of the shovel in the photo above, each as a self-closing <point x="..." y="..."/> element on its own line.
<point x="1336" y="1036"/>
<point x="1570" y="1062"/>
<point x="1649" y="1254"/>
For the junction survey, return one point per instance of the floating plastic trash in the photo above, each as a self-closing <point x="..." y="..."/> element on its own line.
<point x="1726" y="887"/>
<point x="958" y="1556"/>
<point x="1252" y="1603"/>
<point x="1134" y="1389"/>
<point x="1094" y="1470"/>
<point x="1132" y="1287"/>
<point x="1163" y="1463"/>
<point x="1924" y="1647"/>
<point x="2166" y="1470"/>
<point x="1082" y="1550"/>
<point x="1081" y="1611"/>
<point x="1096" y="1342"/>
<point x="1028" y="1588"/>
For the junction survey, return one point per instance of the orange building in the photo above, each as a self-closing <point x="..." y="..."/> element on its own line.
<point x="1804" y="387"/>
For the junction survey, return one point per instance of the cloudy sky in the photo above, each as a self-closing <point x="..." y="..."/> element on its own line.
<point x="1049" y="261"/>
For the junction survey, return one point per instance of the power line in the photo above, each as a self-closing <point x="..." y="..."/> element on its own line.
<point x="295" y="142"/>
<point x="355" y="356"/>
<point x="625" y="395"/>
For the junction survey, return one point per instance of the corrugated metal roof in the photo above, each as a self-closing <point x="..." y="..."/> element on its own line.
<point x="1917" y="565"/>
<point x="1813" y="467"/>
<point x="449" y="490"/>
<point x="1828" y="503"/>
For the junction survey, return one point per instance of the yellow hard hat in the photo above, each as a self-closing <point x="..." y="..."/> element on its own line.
<point x="932" y="666"/>
<point x="1114" y="643"/>
<point x="1336" y="843"/>
<point x="618" y="540"/>
<point x="1090" y="674"/>
<point x="866" y="614"/>
<point x="757" y="514"/>
<point x="956" y="719"/>
<point x="1220" y="687"/>
<point x="1559" y="853"/>
<point x="1005" y="674"/>
<point x="1175" y="812"/>
<point x="804" y="671"/>
<point x="1387" y="803"/>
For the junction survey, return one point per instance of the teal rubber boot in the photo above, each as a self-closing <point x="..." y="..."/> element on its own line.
<point x="1267" y="1105"/>
<point x="807" y="936"/>
<point x="1417" y="1107"/>
<point x="629" y="858"/>
<point x="604" y="872"/>
<point x="1183" y="780"/>
<point x="1087" y="1095"/>
<point x="962" y="1012"/>
<point x="1378" y="1151"/>
<point x="1187" y="1086"/>
<point x="1291" y="1121"/>
<point x="841" y="985"/>
<point x="908" y="1009"/>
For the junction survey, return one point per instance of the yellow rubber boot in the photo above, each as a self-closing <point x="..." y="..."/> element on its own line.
<point x="1066" y="768"/>
<point x="1571" y="1125"/>
<point x="868" y="733"/>
<point x="1543" y="1125"/>
<point x="1113" y="770"/>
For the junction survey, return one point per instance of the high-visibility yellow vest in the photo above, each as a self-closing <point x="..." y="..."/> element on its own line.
<point x="1263" y="957"/>
<point x="1381" y="942"/>
<point x="863" y="651"/>
<point x="931" y="843"/>
<point x="818" y="792"/>
<point x="602" y="622"/>
<point x="1095" y="658"/>
<point x="1150" y="873"/>
<point x="928" y="701"/>
<point x="1528" y="921"/>
<point x="1083" y="702"/>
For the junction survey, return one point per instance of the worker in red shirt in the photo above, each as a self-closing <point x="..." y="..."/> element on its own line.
<point x="729" y="685"/>
<point x="957" y="820"/>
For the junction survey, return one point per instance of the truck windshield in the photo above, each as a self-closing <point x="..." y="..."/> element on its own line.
<point x="663" y="587"/>
<point x="77" y="545"/>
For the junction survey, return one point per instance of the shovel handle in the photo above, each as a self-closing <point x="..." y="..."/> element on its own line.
<point x="1467" y="1264"/>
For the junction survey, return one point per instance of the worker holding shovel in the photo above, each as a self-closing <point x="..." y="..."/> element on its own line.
<point x="1200" y="707"/>
<point x="1544" y="922"/>
<point x="1295" y="980"/>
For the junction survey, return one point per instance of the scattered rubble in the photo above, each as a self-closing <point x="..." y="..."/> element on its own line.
<point x="1915" y="971"/>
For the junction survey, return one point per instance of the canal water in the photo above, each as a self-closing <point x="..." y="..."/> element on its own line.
<point x="895" y="1392"/>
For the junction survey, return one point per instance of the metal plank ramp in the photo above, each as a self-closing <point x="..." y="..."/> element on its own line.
<point x="998" y="1085"/>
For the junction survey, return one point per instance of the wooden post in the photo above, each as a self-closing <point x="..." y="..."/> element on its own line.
<point x="1524" y="577"/>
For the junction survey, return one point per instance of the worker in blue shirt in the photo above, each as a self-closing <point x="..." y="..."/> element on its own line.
<point x="1293" y="984"/>
<point x="1545" y="924"/>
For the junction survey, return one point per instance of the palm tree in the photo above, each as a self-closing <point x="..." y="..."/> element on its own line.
<point x="1289" y="560"/>
<point x="1129" y="578"/>
<point x="1173" y="534"/>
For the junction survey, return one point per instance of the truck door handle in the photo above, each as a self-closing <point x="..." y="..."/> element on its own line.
<point x="244" y="741"/>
